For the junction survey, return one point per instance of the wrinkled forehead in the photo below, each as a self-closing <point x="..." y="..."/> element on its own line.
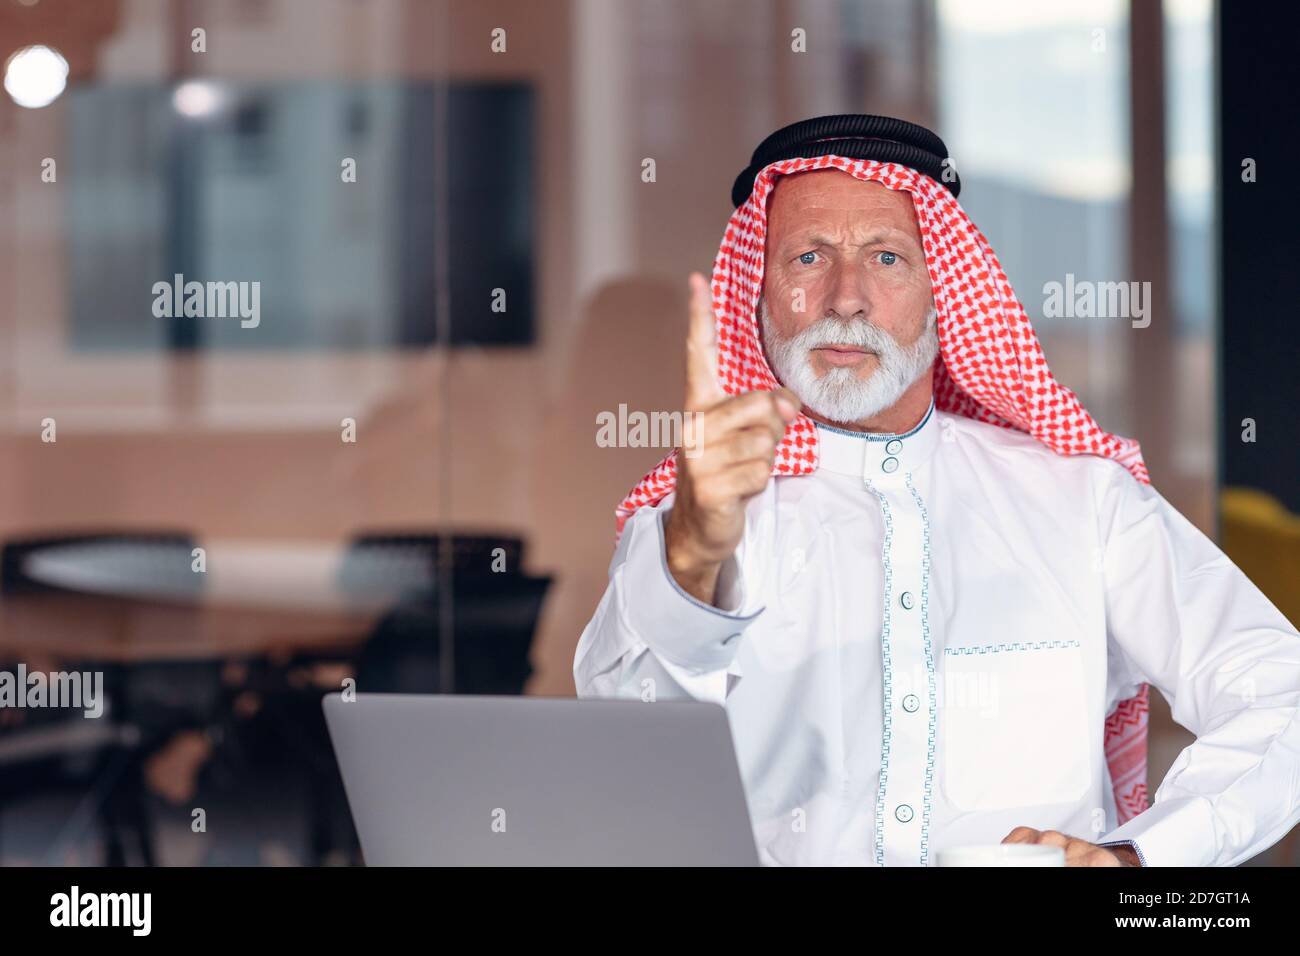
<point x="829" y="198"/>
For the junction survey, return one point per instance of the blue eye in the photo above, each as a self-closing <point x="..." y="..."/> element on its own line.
<point x="888" y="258"/>
<point x="806" y="258"/>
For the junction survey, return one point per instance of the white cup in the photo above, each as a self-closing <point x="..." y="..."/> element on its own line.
<point x="1003" y="854"/>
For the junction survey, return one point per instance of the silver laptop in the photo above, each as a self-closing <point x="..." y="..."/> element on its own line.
<point x="527" y="781"/>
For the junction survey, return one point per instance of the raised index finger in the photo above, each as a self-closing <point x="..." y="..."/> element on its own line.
<point x="702" y="388"/>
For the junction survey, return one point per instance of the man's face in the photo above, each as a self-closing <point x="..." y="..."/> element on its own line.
<point x="846" y="310"/>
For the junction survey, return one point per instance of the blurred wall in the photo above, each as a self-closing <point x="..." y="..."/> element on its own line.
<point x="247" y="445"/>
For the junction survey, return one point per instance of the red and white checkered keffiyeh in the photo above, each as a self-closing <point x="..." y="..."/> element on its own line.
<point x="990" y="368"/>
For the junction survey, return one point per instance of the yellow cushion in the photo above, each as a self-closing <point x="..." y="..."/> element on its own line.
<point x="1263" y="538"/>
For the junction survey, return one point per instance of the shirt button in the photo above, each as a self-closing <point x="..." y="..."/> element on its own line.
<point x="906" y="600"/>
<point x="889" y="465"/>
<point x="893" y="446"/>
<point x="903" y="813"/>
<point x="910" y="703"/>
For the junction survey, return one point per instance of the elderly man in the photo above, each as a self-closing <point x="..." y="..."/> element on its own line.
<point x="926" y="586"/>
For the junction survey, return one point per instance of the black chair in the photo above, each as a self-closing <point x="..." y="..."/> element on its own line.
<point x="492" y="611"/>
<point x="492" y="627"/>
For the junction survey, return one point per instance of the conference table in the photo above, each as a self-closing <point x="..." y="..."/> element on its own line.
<point x="136" y="611"/>
<point x="132" y="601"/>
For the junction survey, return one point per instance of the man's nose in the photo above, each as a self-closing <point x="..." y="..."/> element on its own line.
<point x="848" y="295"/>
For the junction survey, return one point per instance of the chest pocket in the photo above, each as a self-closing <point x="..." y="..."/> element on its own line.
<point x="1014" y="725"/>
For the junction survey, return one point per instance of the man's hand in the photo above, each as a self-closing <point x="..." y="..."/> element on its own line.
<point x="1077" y="852"/>
<point x="730" y="461"/>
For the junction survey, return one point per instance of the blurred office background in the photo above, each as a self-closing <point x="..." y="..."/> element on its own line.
<point x="497" y="275"/>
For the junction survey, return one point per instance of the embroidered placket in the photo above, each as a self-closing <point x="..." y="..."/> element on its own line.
<point x="907" y="669"/>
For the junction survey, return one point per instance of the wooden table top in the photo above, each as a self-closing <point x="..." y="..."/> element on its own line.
<point x="96" y="628"/>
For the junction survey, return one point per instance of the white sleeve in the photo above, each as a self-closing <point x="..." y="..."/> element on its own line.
<point x="649" y="636"/>
<point x="1182" y="616"/>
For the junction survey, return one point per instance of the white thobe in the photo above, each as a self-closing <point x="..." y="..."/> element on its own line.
<point x="918" y="644"/>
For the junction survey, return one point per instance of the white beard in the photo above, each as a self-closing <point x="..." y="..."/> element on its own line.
<point x="838" y="394"/>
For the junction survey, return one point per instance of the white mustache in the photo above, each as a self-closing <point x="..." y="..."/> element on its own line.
<point x="830" y="331"/>
<point x="861" y="333"/>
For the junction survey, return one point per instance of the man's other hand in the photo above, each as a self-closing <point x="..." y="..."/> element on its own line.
<point x="1077" y="852"/>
